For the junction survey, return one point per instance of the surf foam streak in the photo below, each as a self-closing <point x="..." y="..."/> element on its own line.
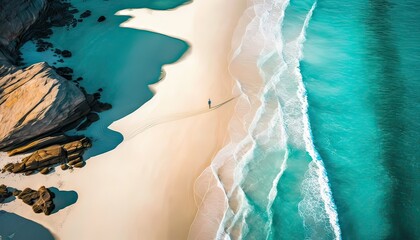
<point x="266" y="126"/>
<point x="270" y="57"/>
<point x="324" y="188"/>
<point x="223" y="205"/>
<point x="265" y="117"/>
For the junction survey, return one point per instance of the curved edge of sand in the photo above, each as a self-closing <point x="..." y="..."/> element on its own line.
<point x="143" y="189"/>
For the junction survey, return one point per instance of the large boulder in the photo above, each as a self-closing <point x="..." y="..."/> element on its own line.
<point x="39" y="160"/>
<point x="41" y="200"/>
<point x="28" y="196"/>
<point x="45" y="157"/>
<point x="40" y="143"/>
<point x="77" y="146"/>
<point x="36" y="101"/>
<point x="45" y="202"/>
<point x="16" y="17"/>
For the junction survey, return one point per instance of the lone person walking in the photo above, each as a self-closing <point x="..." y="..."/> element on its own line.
<point x="209" y="102"/>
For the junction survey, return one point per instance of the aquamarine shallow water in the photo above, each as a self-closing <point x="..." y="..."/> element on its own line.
<point x="360" y="71"/>
<point x="121" y="61"/>
<point x="281" y="187"/>
<point x="343" y="119"/>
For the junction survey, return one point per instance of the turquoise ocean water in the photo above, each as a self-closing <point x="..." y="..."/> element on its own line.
<point x="333" y="150"/>
<point x="362" y="76"/>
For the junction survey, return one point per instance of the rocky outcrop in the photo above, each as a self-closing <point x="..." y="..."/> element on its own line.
<point x="41" y="200"/>
<point x="28" y="196"/>
<point x="45" y="202"/>
<point x="36" y="101"/>
<point x="40" y="143"/>
<point x="44" y="159"/>
<point x="45" y="170"/>
<point x="90" y="118"/>
<point x="77" y="146"/>
<point x="41" y="159"/>
<point x="21" y="20"/>
<point x="4" y="193"/>
<point x="16" y="17"/>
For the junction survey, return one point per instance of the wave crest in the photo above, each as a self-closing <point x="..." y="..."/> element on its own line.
<point x="235" y="194"/>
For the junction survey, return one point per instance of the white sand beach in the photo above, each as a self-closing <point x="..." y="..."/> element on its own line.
<point x="143" y="189"/>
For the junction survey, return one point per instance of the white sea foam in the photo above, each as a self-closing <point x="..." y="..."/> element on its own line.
<point x="322" y="187"/>
<point x="271" y="113"/>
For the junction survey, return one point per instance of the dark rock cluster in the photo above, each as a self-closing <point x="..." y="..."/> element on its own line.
<point x="86" y="14"/>
<point x="39" y="102"/>
<point x="41" y="200"/>
<point x="41" y="143"/>
<point x="4" y="193"/>
<point x="42" y="46"/>
<point x="90" y="118"/>
<point x="43" y="160"/>
<point x="65" y="72"/>
<point x="101" y="18"/>
<point x="66" y="53"/>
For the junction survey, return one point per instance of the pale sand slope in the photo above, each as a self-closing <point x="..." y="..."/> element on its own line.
<point x="144" y="188"/>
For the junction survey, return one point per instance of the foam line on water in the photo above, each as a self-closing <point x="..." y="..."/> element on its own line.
<point x="273" y="191"/>
<point x="242" y="146"/>
<point x="200" y="227"/>
<point x="276" y="52"/>
<point x="224" y="207"/>
<point x="323" y="182"/>
<point x="269" y="36"/>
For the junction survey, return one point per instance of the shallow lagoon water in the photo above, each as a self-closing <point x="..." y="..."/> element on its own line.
<point x="121" y="61"/>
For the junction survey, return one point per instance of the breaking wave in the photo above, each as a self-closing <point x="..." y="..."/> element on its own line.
<point x="236" y="193"/>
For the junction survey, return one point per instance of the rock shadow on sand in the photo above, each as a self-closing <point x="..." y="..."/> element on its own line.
<point x="63" y="199"/>
<point x="9" y="199"/>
